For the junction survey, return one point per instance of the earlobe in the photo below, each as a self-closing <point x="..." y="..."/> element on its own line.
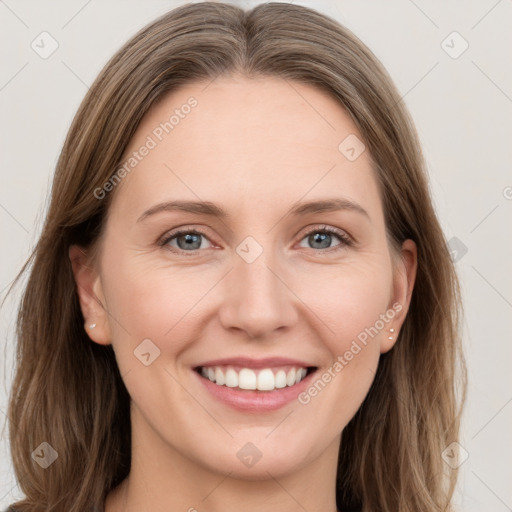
<point x="389" y="338"/>
<point x="90" y="296"/>
<point x="404" y="277"/>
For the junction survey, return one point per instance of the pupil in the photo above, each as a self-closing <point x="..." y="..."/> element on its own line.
<point x="190" y="239"/>
<point x="321" y="237"/>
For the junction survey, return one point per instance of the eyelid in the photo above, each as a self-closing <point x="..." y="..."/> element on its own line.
<point x="343" y="234"/>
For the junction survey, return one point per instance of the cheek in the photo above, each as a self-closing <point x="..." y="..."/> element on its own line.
<point x="354" y="307"/>
<point x="349" y="300"/>
<point x="149" y="298"/>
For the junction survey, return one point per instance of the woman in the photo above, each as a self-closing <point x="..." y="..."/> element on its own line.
<point x="242" y="296"/>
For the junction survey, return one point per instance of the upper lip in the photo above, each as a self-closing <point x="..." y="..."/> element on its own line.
<point x="248" y="362"/>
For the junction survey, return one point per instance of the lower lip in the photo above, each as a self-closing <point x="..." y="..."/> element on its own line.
<point x="254" y="400"/>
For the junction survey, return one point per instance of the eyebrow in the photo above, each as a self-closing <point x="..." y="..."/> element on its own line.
<point x="212" y="210"/>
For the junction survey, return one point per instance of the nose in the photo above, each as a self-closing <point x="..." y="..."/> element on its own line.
<point x="257" y="298"/>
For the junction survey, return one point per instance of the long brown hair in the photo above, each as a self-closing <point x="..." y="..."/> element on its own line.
<point x="68" y="391"/>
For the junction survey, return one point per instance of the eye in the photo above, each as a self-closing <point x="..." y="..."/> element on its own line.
<point x="187" y="240"/>
<point x="322" y="236"/>
<point x="191" y="240"/>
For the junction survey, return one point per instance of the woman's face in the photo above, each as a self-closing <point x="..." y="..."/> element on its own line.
<point x="251" y="296"/>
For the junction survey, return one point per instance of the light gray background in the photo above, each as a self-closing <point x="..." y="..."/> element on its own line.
<point x="462" y="107"/>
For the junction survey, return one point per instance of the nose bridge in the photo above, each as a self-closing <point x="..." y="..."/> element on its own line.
<point x="257" y="299"/>
<point x="255" y="281"/>
<point x="257" y="278"/>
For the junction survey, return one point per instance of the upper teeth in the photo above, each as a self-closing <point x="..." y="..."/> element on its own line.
<point x="266" y="379"/>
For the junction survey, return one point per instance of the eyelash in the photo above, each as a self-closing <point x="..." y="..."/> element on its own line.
<point x="346" y="241"/>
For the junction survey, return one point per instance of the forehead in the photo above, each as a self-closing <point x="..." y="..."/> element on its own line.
<point x="245" y="140"/>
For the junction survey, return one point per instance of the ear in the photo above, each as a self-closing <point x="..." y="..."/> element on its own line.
<point x="90" y="295"/>
<point x="404" y="276"/>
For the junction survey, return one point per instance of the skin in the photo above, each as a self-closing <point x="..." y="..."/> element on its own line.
<point x="256" y="147"/>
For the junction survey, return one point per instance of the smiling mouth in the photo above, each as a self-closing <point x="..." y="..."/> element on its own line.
<point x="261" y="379"/>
